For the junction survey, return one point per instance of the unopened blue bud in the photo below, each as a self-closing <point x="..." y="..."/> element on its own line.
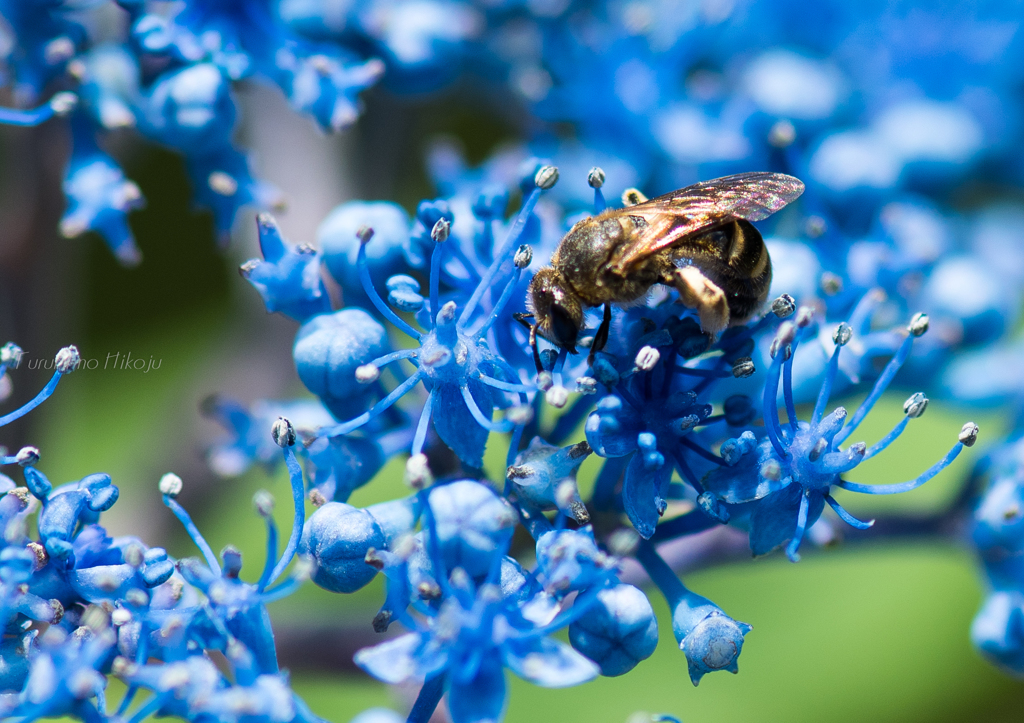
<point x="328" y="350"/>
<point x="337" y="537"/>
<point x="617" y="631"/>
<point x="472" y="524"/>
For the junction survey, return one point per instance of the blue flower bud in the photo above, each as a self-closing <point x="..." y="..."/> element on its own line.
<point x="157" y="572"/>
<point x="473" y="524"/>
<point x="617" y="631"/>
<point x="339" y="244"/>
<point x="328" y="350"/>
<point x="337" y="537"/>
<point x="710" y="639"/>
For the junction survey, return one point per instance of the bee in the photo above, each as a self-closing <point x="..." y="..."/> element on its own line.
<point x="698" y="240"/>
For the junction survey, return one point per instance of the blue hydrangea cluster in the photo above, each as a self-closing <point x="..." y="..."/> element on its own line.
<point x="883" y="278"/>
<point x="170" y="77"/>
<point x="80" y="606"/>
<point x="686" y="426"/>
<point x="670" y="411"/>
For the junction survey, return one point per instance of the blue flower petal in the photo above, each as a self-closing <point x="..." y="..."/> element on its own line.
<point x="393" y="661"/>
<point x="482" y="699"/>
<point x="549" y="663"/>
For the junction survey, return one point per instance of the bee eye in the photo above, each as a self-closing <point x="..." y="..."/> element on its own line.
<point x="563" y="328"/>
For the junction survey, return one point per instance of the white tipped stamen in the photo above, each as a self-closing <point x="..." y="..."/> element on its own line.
<point x="557" y="396"/>
<point x="170" y="485"/>
<point x="283" y="433"/>
<point x="804" y="316"/>
<point x="417" y="472"/>
<point x="969" y="434"/>
<point x="63" y="103"/>
<point x="623" y="542"/>
<point x="783" y="306"/>
<point x="842" y="335"/>
<point x="441" y="230"/>
<point x="263" y="501"/>
<point x="67" y="360"/>
<point x="831" y="284"/>
<point x="10" y="353"/>
<point x="222" y="183"/>
<point x="782" y="134"/>
<point x="915" y="405"/>
<point x="919" y="324"/>
<point x="646" y="359"/>
<point x="743" y="367"/>
<point x="27" y="456"/>
<point x="523" y="256"/>
<point x="546" y="177"/>
<point x="364" y="234"/>
<point x="520" y="414"/>
<point x="367" y="373"/>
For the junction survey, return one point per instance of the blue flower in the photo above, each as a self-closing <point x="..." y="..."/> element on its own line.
<point x="788" y="480"/>
<point x="191" y="110"/>
<point x="650" y="417"/>
<point x="466" y="646"/>
<point x="247" y="441"/>
<point x="287" y="278"/>
<point x="465" y="379"/>
<point x="331" y="348"/>
<point x="545" y="477"/>
<point x="471" y="524"/>
<point x="570" y="560"/>
<point x="64" y="676"/>
<point x="234" y="606"/>
<point x="44" y="37"/>
<point x="710" y="639"/>
<point x="247" y="38"/>
<point x="100" y="197"/>
<point x="338" y="240"/>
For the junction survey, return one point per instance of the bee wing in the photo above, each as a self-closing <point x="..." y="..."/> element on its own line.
<point x="696" y="208"/>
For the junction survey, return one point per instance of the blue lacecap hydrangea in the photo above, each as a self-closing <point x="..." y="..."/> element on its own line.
<point x="425" y="357"/>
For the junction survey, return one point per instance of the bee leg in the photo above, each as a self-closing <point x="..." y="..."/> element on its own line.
<point x="697" y="291"/>
<point x="522" y="319"/>
<point x="601" y="337"/>
<point x="536" y="351"/>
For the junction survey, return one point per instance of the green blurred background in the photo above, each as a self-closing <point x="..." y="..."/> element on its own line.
<point x="873" y="631"/>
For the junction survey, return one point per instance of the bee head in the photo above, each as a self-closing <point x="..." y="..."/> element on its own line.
<point x="557" y="308"/>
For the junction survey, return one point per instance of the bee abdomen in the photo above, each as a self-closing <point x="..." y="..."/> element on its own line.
<point x="741" y="268"/>
<point x="748" y="256"/>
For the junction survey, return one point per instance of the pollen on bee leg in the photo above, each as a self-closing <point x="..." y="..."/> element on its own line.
<point x="698" y="292"/>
